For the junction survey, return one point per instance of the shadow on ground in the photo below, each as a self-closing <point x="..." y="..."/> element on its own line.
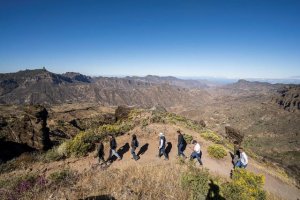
<point x="100" y="197"/>
<point x="143" y="149"/>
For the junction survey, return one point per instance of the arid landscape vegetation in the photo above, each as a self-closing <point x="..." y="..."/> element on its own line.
<point x="50" y="125"/>
<point x="149" y="100"/>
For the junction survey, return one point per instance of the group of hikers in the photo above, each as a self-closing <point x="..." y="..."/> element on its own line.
<point x="239" y="157"/>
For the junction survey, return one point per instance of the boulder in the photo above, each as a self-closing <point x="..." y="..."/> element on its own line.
<point x="122" y="112"/>
<point x="158" y="108"/>
<point x="201" y="123"/>
<point x="233" y="134"/>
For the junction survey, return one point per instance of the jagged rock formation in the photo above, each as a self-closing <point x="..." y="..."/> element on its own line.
<point x="43" y="87"/>
<point x="66" y="120"/>
<point x="25" y="125"/>
<point x="289" y="98"/>
<point x="122" y="112"/>
<point x="234" y="135"/>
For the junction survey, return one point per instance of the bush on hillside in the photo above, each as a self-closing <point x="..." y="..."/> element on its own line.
<point x="116" y="129"/>
<point x="63" y="177"/>
<point x="244" y="186"/>
<point x="196" y="181"/>
<point x="216" y="151"/>
<point x="52" y="155"/>
<point x="21" y="186"/>
<point x="211" y="136"/>
<point x="188" y="138"/>
<point x="81" y="144"/>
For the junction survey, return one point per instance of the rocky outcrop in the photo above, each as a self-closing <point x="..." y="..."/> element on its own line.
<point x="233" y="134"/>
<point x="122" y="112"/>
<point x="158" y="108"/>
<point x="289" y="98"/>
<point x="25" y="125"/>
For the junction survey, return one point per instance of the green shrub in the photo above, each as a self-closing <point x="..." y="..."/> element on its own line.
<point x="211" y="136"/>
<point x="81" y="144"/>
<point x="118" y="128"/>
<point x="157" y="118"/>
<point x="216" y="151"/>
<point x="133" y="114"/>
<point x="52" y="155"/>
<point x="188" y="138"/>
<point x="64" y="177"/>
<point x="144" y="123"/>
<point x="244" y="186"/>
<point x="196" y="181"/>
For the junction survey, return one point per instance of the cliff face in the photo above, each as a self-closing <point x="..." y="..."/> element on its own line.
<point x="25" y="125"/>
<point x="288" y="97"/>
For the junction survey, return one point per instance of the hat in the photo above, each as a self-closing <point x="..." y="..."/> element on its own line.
<point x="161" y="134"/>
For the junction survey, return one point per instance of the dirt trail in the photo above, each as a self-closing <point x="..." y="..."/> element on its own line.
<point x="217" y="167"/>
<point x="148" y="140"/>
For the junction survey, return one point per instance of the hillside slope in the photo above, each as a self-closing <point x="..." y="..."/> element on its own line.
<point x="147" y="178"/>
<point x="43" y="87"/>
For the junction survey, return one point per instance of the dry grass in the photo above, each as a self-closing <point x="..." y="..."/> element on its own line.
<point x="147" y="182"/>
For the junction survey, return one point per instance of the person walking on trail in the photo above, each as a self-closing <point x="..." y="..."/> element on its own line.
<point x="134" y="145"/>
<point x="236" y="152"/>
<point x="162" y="146"/>
<point x="197" y="152"/>
<point x="180" y="144"/>
<point x="243" y="161"/>
<point x="100" y="153"/>
<point x="113" y="147"/>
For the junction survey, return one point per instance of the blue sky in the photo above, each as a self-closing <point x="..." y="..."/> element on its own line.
<point x="229" y="38"/>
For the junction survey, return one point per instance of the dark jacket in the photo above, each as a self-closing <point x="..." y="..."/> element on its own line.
<point x="113" y="143"/>
<point x="134" y="143"/>
<point x="101" y="150"/>
<point x="180" y="139"/>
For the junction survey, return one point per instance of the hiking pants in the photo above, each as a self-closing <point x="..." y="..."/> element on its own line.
<point x="180" y="150"/>
<point x="162" y="151"/>
<point x="240" y="164"/>
<point x="198" y="156"/>
<point x="132" y="151"/>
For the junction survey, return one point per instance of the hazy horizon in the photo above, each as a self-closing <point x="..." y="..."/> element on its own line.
<point x="232" y="39"/>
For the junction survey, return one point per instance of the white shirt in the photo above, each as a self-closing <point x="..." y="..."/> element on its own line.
<point x="197" y="148"/>
<point x="244" y="158"/>
<point x="161" y="143"/>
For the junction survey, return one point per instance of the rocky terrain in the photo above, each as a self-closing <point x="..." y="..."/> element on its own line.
<point x="43" y="87"/>
<point x="70" y="170"/>
<point x="266" y="116"/>
<point x="255" y="109"/>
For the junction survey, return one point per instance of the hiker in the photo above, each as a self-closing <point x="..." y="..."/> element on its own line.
<point x="243" y="161"/>
<point x="134" y="145"/>
<point x="100" y="152"/>
<point x="113" y="147"/>
<point x="236" y="152"/>
<point x="197" y="152"/>
<point x="162" y="146"/>
<point x="180" y="145"/>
